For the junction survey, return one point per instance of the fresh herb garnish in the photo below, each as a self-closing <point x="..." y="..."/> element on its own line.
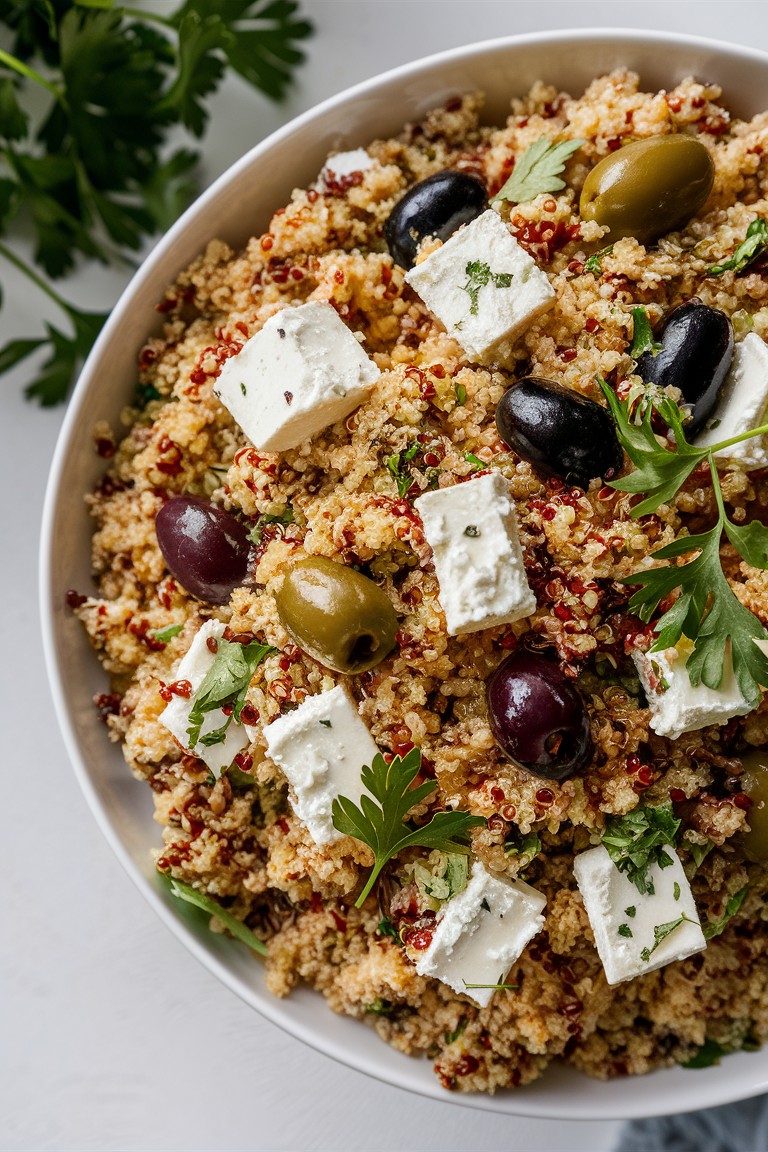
<point x="538" y="170"/>
<point x="676" y="890"/>
<point x="496" y="987"/>
<point x="461" y="393"/>
<point x="731" y="908"/>
<point x="706" y="610"/>
<point x="709" y="1054"/>
<point x="631" y="911"/>
<point x="699" y="852"/>
<point x="475" y="461"/>
<point x="326" y="723"/>
<point x="165" y="634"/>
<point x="636" y="841"/>
<point x="386" y="927"/>
<point x="660" y="933"/>
<point x="282" y="518"/>
<point x="478" y="275"/>
<point x="213" y="908"/>
<point x="594" y="263"/>
<point x="624" y="930"/>
<point x="753" y="245"/>
<point x="472" y="530"/>
<point x="91" y="95"/>
<point x="379" y="1007"/>
<point x="516" y="844"/>
<point x="226" y="682"/>
<point x="642" y="334"/>
<point x="382" y="825"/>
<point x="451" y="1037"/>
<point x="397" y="465"/>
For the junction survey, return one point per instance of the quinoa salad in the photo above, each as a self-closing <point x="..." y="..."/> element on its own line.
<point x="430" y="575"/>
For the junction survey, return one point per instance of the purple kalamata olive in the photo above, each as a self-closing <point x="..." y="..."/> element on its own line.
<point x="206" y="549"/>
<point x="559" y="431"/>
<point x="436" y="206"/>
<point x="696" y="353"/>
<point x="538" y="716"/>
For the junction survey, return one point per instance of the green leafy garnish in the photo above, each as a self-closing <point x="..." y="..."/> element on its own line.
<point x="283" y="518"/>
<point x="731" y="908"/>
<point x="213" y="908"/>
<point x="478" y="275"/>
<point x="524" y="846"/>
<point x="165" y="634"/>
<point x="642" y="334"/>
<point x="709" y="1054"/>
<point x="382" y="825"/>
<point x="461" y="394"/>
<point x="636" y="841"/>
<point x="386" y="927"/>
<point x="594" y="263"/>
<point x="226" y="682"/>
<point x="706" y="610"/>
<point x="631" y="911"/>
<point x="699" y="852"/>
<point x="754" y="244"/>
<point x="538" y="170"/>
<point x="93" y="98"/>
<point x="397" y="465"/>
<point x="379" y="1007"/>
<point x="451" y="1037"/>
<point x="661" y="931"/>
<point x="475" y="461"/>
<point x="624" y="930"/>
<point x="676" y="891"/>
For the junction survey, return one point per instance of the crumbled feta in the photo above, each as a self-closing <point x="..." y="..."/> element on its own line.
<point x="481" y="933"/>
<point x="194" y="667"/>
<point x="742" y="406"/>
<point x="472" y="530"/>
<point x="321" y="747"/>
<point x="337" y="169"/>
<point x="303" y="371"/>
<point x="623" y="920"/>
<point x="676" y="706"/>
<point x="483" y="286"/>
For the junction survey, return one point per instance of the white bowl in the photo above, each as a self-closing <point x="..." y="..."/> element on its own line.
<point x="239" y="204"/>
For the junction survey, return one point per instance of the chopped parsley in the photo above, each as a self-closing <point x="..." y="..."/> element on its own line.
<point x="660" y="933"/>
<point x="243" y="389"/>
<point x="709" y="1054"/>
<point x="624" y="930"/>
<point x="397" y="465"/>
<point x="731" y="908"/>
<point x="538" y="170"/>
<point x="526" y="847"/>
<point x="386" y="927"/>
<point x="461" y="393"/>
<point x="474" y="460"/>
<point x="478" y="276"/>
<point x="636" y="841"/>
<point x="631" y="911"/>
<point x="451" y="1037"/>
<point x="282" y="518"/>
<point x="472" y="530"/>
<point x="642" y="334"/>
<point x="379" y="1007"/>
<point x="676" y="891"/>
<point x="380" y="822"/>
<point x="753" y="245"/>
<point x="699" y="852"/>
<point x="226" y="682"/>
<point x="165" y="634"/>
<point x="326" y="723"/>
<point x="594" y="263"/>
<point x="207" y="904"/>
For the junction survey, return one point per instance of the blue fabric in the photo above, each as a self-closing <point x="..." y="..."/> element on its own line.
<point x="739" y="1127"/>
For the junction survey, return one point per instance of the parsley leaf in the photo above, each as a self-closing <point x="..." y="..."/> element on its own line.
<point x="642" y="334"/>
<point x="397" y="466"/>
<point x="166" y="634"/>
<point x="207" y="904"/>
<point x="525" y="846"/>
<point x="478" y="276"/>
<point x="594" y="263"/>
<point x="754" y="244"/>
<point x="283" y="518"/>
<point x="660" y="933"/>
<point x="226" y="682"/>
<point x="624" y="930"/>
<point x="731" y="908"/>
<point x="382" y="825"/>
<point x="538" y="170"/>
<point x="636" y="841"/>
<point x="709" y="1053"/>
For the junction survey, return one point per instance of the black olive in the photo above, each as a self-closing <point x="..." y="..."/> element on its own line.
<point x="559" y="432"/>
<point x="436" y="206"/>
<point x="696" y="353"/>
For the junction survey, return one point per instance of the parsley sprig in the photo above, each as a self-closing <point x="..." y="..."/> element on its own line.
<point x="538" y="170"/>
<point x="90" y="93"/>
<point x="636" y="841"/>
<point x="661" y="931"/>
<point x="752" y="246"/>
<point x="226" y="682"/>
<point x="478" y="276"/>
<point x="642" y="334"/>
<point x="706" y="610"/>
<point x="731" y="908"/>
<point x="382" y="825"/>
<point x="207" y="904"/>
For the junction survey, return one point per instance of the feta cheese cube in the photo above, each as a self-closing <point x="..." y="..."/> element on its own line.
<point x="321" y="747"/>
<point x="194" y="667"/>
<point x="742" y="406"/>
<point x="676" y="706"/>
<point x="338" y="169"/>
<point x="481" y="933"/>
<point x="303" y="371"/>
<point x="472" y="530"/>
<point x="483" y="286"/>
<point x="623" y="920"/>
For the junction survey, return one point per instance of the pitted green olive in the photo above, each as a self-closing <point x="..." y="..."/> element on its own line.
<point x="648" y="187"/>
<point x="337" y="615"/>
<point x="755" y="783"/>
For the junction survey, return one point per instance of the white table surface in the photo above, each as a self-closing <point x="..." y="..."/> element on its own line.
<point x="111" y="1036"/>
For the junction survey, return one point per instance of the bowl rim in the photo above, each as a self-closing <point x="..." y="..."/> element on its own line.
<point x="522" y="1101"/>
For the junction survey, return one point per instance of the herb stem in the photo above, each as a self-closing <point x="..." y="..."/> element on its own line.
<point x="151" y="17"/>
<point x="717" y="489"/>
<point x="761" y="431"/>
<point x="369" y="884"/>
<point x="31" y="74"/>
<point x="30" y="273"/>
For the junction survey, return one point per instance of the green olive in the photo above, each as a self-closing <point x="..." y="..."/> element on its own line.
<point x="337" y="615"/>
<point x="755" y="783"/>
<point x="648" y="187"/>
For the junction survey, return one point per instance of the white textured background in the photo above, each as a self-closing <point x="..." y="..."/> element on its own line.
<point x="111" y="1036"/>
